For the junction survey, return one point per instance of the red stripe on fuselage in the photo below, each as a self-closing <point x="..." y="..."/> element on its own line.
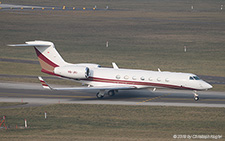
<point x="46" y="60"/>
<point x="147" y="84"/>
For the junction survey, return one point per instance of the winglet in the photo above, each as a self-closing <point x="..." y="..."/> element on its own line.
<point x="114" y="65"/>
<point x="44" y="84"/>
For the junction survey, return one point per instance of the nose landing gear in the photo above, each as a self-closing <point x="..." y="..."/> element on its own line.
<point x="196" y="97"/>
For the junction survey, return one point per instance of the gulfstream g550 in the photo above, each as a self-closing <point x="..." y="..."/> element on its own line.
<point x="110" y="80"/>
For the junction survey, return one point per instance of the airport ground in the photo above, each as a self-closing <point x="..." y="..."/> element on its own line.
<point x="136" y="115"/>
<point x="141" y="35"/>
<point x="107" y="122"/>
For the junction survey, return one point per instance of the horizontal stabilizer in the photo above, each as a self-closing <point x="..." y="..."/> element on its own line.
<point x="28" y="45"/>
<point x="44" y="84"/>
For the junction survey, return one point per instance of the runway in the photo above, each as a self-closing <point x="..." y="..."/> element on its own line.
<point x="35" y="95"/>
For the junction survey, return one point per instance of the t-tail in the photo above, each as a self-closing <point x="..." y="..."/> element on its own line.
<point x="48" y="56"/>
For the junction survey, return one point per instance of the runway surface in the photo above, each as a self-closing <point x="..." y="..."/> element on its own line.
<point x="35" y="95"/>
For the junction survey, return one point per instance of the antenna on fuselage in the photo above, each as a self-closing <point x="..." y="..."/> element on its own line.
<point x="114" y="65"/>
<point x="159" y="70"/>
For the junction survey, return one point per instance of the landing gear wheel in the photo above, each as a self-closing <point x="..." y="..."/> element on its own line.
<point x="196" y="98"/>
<point x="111" y="93"/>
<point x="99" y="95"/>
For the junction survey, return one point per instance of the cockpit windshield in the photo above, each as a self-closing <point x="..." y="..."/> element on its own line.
<point x="194" y="78"/>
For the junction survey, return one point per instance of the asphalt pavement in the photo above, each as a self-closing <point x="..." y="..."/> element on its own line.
<point x="35" y="95"/>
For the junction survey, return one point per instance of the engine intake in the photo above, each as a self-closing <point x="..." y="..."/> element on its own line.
<point x="77" y="72"/>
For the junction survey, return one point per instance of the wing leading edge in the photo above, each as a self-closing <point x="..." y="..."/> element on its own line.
<point x="110" y="87"/>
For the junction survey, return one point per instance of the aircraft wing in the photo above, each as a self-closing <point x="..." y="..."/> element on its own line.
<point x="110" y="87"/>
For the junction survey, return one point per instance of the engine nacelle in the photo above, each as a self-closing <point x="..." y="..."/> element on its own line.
<point x="77" y="72"/>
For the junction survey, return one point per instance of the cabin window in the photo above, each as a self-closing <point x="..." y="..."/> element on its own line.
<point x="167" y="80"/>
<point x="142" y="78"/>
<point x="150" y="79"/>
<point x="158" y="79"/>
<point x="126" y="77"/>
<point x="134" y="78"/>
<point x="118" y="77"/>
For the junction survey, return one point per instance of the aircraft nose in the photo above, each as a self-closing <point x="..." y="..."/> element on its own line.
<point x="210" y="86"/>
<point x="206" y="86"/>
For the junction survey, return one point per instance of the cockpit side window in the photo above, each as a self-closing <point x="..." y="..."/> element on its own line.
<point x="194" y="78"/>
<point x="191" y="78"/>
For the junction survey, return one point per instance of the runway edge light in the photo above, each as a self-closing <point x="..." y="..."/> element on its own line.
<point x="107" y="44"/>
<point x="185" y="49"/>
<point x="25" y="122"/>
<point x="45" y="114"/>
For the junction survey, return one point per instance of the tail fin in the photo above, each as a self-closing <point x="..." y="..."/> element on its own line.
<point x="48" y="56"/>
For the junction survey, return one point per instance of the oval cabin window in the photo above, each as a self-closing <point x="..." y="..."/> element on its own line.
<point x="118" y="77"/>
<point x="134" y="78"/>
<point x="126" y="77"/>
<point x="150" y="79"/>
<point x="142" y="78"/>
<point x="167" y="80"/>
<point x="159" y="79"/>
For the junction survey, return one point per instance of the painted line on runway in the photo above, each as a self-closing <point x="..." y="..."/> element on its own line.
<point x="55" y="96"/>
<point x="158" y="97"/>
<point x="192" y="99"/>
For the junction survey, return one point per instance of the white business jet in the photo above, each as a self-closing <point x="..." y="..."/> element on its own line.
<point x="110" y="80"/>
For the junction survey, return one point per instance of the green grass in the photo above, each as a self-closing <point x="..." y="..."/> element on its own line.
<point x="107" y="122"/>
<point x="141" y="34"/>
<point x="6" y="104"/>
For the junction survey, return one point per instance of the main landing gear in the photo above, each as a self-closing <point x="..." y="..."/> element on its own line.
<point x="196" y="97"/>
<point x="101" y="93"/>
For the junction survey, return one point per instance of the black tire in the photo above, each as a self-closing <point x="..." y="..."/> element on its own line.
<point x="196" y="98"/>
<point x="99" y="96"/>
<point x="111" y="93"/>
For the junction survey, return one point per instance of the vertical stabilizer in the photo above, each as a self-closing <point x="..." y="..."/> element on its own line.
<point x="48" y="56"/>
